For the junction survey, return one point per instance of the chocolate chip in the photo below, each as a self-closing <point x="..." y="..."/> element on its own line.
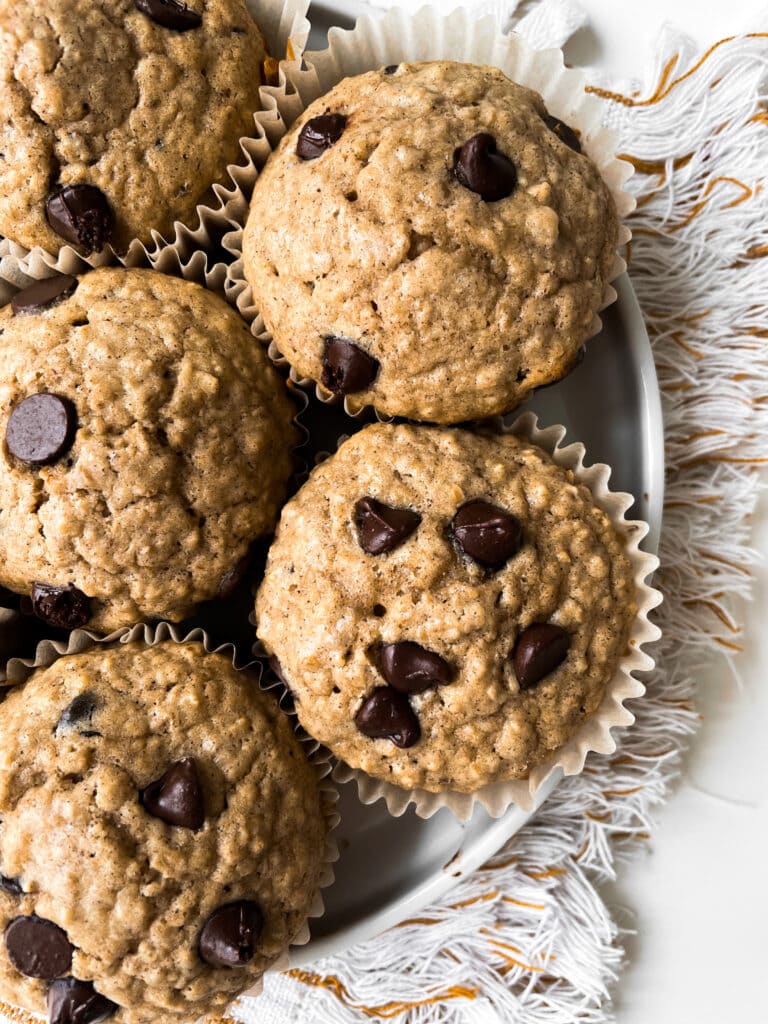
<point x="411" y="668"/>
<point x="538" y="651"/>
<point x="38" y="948"/>
<point x="390" y="69"/>
<point x="319" y="134"/>
<point x="169" y="14"/>
<point x="177" y="796"/>
<point x="81" y="215"/>
<point x="480" y="167"/>
<point x="64" y="607"/>
<point x="79" y="711"/>
<point x="44" y="294"/>
<point x="488" y="534"/>
<point x="229" y="936"/>
<point x="346" y="368"/>
<point x="11" y="885"/>
<point x="380" y="527"/>
<point x="388" y="715"/>
<point x="77" y="1002"/>
<point x="563" y="132"/>
<point x="231" y="580"/>
<point x="41" y="428"/>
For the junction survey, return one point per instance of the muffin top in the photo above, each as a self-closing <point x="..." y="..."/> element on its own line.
<point x="145" y="442"/>
<point x="447" y="608"/>
<point x="427" y="240"/>
<point x="143" y="790"/>
<point x="103" y="104"/>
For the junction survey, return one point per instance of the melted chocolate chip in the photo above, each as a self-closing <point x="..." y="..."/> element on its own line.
<point x="380" y="527"/>
<point x="390" y="69"/>
<point x="11" y="885"/>
<point x="480" y="167"/>
<point x="538" y="651"/>
<point x="388" y="715"/>
<point x="81" y="215"/>
<point x="77" y="1002"/>
<point x="230" y="935"/>
<point x="170" y="14"/>
<point x="41" y="428"/>
<point x="38" y="948"/>
<point x="346" y="367"/>
<point x="411" y="668"/>
<point x="44" y="294"/>
<point x="177" y="796"/>
<point x="565" y="133"/>
<point x="64" y="607"/>
<point x="319" y="134"/>
<point x="489" y="535"/>
<point x="78" y="712"/>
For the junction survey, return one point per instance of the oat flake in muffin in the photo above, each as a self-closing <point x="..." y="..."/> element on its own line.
<point x="428" y="240"/>
<point x="447" y="608"/>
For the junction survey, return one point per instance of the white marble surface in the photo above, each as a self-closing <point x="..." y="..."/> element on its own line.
<point x="697" y="897"/>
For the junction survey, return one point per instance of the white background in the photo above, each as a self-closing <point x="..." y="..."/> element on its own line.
<point x="698" y="896"/>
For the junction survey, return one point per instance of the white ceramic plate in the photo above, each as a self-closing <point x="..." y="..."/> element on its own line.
<point x="391" y="868"/>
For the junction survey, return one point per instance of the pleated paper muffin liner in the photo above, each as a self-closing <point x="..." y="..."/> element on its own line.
<point x="595" y="733"/>
<point x="49" y="651"/>
<point x="195" y="252"/>
<point x="461" y="36"/>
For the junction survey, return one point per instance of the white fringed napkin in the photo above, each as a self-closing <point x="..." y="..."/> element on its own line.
<point x="528" y="939"/>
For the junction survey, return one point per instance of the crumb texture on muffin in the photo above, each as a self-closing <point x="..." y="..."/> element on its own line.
<point x="328" y="609"/>
<point x="363" y="229"/>
<point x="179" y="456"/>
<point x="79" y="745"/>
<point x="95" y="92"/>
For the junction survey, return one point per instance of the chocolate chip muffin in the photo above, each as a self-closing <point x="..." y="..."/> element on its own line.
<point x="447" y="608"/>
<point x="145" y="443"/>
<point x="103" y="104"/>
<point x="430" y="241"/>
<point x="162" y="835"/>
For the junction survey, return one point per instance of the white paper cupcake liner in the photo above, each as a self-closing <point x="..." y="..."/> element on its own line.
<point x="49" y="651"/>
<point x="461" y="36"/>
<point x="595" y="734"/>
<point x="187" y="251"/>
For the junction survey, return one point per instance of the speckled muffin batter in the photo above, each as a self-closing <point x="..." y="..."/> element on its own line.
<point x="141" y="791"/>
<point x="116" y="95"/>
<point x="447" y="608"/>
<point x="145" y="442"/>
<point x="429" y="241"/>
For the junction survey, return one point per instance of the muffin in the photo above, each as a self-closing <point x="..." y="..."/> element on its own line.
<point x="447" y="608"/>
<point x="146" y="443"/>
<point x="162" y="836"/>
<point x="103" y="106"/>
<point x="428" y="240"/>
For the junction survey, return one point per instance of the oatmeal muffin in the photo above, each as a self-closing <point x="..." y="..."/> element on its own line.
<point x="430" y="241"/>
<point x="103" y="105"/>
<point x="162" y="836"/>
<point x="447" y="608"/>
<point x="145" y="443"/>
